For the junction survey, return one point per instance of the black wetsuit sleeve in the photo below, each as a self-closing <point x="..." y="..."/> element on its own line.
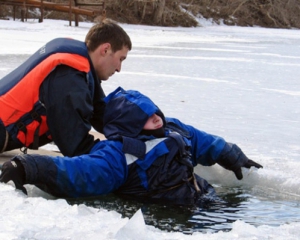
<point x="69" y="108"/>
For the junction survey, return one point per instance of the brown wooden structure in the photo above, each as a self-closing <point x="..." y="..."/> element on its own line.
<point x="76" y="7"/>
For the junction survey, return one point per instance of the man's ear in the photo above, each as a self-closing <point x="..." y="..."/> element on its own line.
<point x="104" y="48"/>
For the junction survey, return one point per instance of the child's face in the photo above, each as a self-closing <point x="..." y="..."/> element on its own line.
<point x="154" y="122"/>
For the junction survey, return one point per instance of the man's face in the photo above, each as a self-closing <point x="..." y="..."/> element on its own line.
<point x="109" y="62"/>
<point x="154" y="122"/>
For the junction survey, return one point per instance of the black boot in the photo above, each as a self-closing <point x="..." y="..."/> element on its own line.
<point x="13" y="170"/>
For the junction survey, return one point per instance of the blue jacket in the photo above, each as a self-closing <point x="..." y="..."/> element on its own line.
<point x="164" y="169"/>
<point x="130" y="162"/>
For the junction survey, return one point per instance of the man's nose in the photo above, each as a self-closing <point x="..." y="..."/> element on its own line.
<point x="118" y="69"/>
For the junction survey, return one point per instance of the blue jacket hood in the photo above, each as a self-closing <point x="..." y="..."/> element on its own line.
<point x="126" y="113"/>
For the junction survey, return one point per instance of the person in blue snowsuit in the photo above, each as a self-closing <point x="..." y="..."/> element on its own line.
<point x="145" y="155"/>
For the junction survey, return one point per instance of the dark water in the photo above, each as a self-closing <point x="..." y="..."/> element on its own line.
<point x="235" y="204"/>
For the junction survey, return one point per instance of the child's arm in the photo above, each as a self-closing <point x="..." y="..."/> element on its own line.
<point x="208" y="149"/>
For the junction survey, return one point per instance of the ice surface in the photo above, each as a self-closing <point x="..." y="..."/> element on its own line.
<point x="238" y="83"/>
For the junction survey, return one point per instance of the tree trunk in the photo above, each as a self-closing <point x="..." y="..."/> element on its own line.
<point x="159" y="11"/>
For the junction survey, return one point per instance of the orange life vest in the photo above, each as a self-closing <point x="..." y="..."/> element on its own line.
<point x="21" y="112"/>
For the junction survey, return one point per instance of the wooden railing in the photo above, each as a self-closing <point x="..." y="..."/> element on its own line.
<point x="76" y="7"/>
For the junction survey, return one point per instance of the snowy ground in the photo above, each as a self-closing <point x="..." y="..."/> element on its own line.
<point x="238" y="83"/>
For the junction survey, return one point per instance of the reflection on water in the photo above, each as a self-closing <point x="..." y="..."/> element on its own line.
<point x="238" y="204"/>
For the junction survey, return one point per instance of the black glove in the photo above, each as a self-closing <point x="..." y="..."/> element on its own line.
<point x="233" y="158"/>
<point x="13" y="170"/>
<point x="248" y="164"/>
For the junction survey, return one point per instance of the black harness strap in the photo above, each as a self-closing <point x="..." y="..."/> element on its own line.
<point x="185" y="155"/>
<point x="22" y="127"/>
<point x="35" y="116"/>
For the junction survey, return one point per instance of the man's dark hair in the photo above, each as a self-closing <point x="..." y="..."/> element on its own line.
<point x="107" y="31"/>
